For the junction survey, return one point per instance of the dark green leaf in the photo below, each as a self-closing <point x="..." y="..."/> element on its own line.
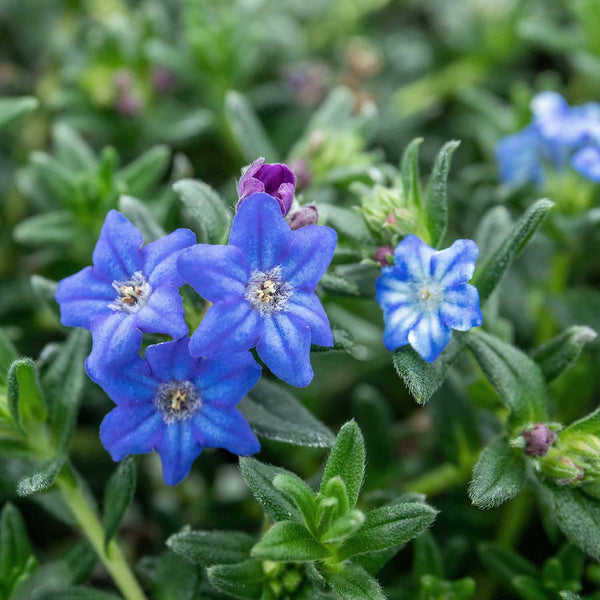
<point x="15" y="550"/>
<point x="498" y="476"/>
<point x="12" y="109"/>
<point x="428" y="558"/>
<point x="207" y="548"/>
<point x="52" y="227"/>
<point x="338" y="286"/>
<point x="137" y="212"/>
<point x="409" y="168"/>
<point x="71" y="149"/>
<point x="118" y="495"/>
<point x="569" y="596"/>
<point x="347" y="222"/>
<point x="529" y="588"/>
<point x="45" y="290"/>
<point x="504" y="563"/>
<point x="75" y="593"/>
<point x="244" y="580"/>
<point x="8" y="354"/>
<point x="175" y="578"/>
<point x="61" y="181"/>
<point x="436" y="208"/>
<point x="288" y="541"/>
<point x="354" y="583"/>
<point x="146" y="171"/>
<point x="300" y="494"/>
<point x="41" y="479"/>
<point x="343" y="527"/>
<point x="26" y="403"/>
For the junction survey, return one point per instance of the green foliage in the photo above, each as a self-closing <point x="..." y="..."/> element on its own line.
<point x="118" y="496"/>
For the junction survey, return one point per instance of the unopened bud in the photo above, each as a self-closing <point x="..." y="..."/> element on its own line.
<point x="302" y="172"/>
<point x="384" y="255"/>
<point x="561" y="468"/>
<point x="539" y="439"/>
<point x="303" y="216"/>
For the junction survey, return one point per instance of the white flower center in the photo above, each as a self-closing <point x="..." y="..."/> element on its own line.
<point x="177" y="400"/>
<point x="268" y="292"/>
<point x="430" y="295"/>
<point x="131" y="294"/>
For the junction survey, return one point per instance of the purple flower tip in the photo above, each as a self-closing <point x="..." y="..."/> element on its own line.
<point x="303" y="216"/>
<point x="385" y="256"/>
<point x="539" y="439"/>
<point x="276" y="179"/>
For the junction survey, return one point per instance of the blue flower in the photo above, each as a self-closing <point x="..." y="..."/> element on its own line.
<point x="262" y="289"/>
<point x="178" y="405"/>
<point x="425" y="295"/>
<point x="130" y="289"/>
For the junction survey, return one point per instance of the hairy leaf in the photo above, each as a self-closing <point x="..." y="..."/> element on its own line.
<point x="13" y="108"/>
<point x="289" y="542"/>
<point x="207" y="548"/>
<point x="137" y="212"/>
<point x="118" y="495"/>
<point x="242" y="580"/>
<point x="146" y="171"/>
<point x="354" y="583"/>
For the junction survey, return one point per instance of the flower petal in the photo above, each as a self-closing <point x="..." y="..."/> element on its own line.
<point x="83" y="297"/>
<point x="117" y="255"/>
<point x="309" y="256"/>
<point x="163" y="313"/>
<point x="131" y="430"/>
<point x="232" y="326"/>
<point x="587" y="162"/>
<point x="224" y="379"/>
<point x="308" y="307"/>
<point x="398" y="322"/>
<point x="219" y="427"/>
<point x="160" y="257"/>
<point x="172" y="360"/>
<point x="392" y="291"/>
<point x="519" y="157"/>
<point x="412" y="259"/>
<point x="460" y="309"/>
<point x="261" y="232"/>
<point x="429" y="336"/>
<point x="455" y="265"/>
<point x="215" y="272"/>
<point x="285" y="348"/>
<point x="178" y="449"/>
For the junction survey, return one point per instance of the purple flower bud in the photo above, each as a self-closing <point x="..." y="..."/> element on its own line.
<point x="128" y="105"/>
<point x="123" y="80"/>
<point x="163" y="80"/>
<point x="302" y="172"/>
<point x="303" y="216"/>
<point x="384" y="255"/>
<point x="539" y="439"/>
<point x="276" y="179"/>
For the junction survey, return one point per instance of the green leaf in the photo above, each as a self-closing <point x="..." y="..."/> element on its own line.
<point x="354" y="583"/>
<point x="16" y="559"/>
<point x="504" y="563"/>
<point x="389" y="526"/>
<point x="12" y="109"/>
<point x="342" y="342"/>
<point x="347" y="222"/>
<point x="498" y="476"/>
<point x="347" y="461"/>
<point x="45" y="290"/>
<point x="41" y="479"/>
<point x="205" y="210"/>
<point x="207" y="548"/>
<point x="436" y="208"/>
<point x="590" y="424"/>
<point x="579" y="518"/>
<point x="289" y="542"/>
<point x="490" y="273"/>
<point x="61" y="181"/>
<point x="63" y="383"/>
<point x="259" y="477"/>
<point x="338" y="286"/>
<point x="423" y="379"/>
<point x="335" y="111"/>
<point x="515" y="377"/>
<point x="559" y="354"/>
<point x="300" y="494"/>
<point x="72" y="150"/>
<point x="146" y="171"/>
<point x="26" y="403"/>
<point x="343" y="527"/>
<point x="8" y="354"/>
<point x="529" y="588"/>
<point x="247" y="130"/>
<point x="428" y="558"/>
<point x="243" y="580"/>
<point x="75" y="593"/>
<point x="276" y="414"/>
<point x="409" y="168"/>
<point x="137" y="212"/>
<point x="55" y="227"/>
<point x="175" y="578"/>
<point x="118" y="495"/>
<point x="569" y="596"/>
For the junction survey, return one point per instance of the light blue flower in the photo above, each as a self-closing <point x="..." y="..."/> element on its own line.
<point x="425" y="295"/>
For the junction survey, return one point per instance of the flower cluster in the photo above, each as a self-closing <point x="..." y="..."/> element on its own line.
<point x="182" y="396"/>
<point x="559" y="135"/>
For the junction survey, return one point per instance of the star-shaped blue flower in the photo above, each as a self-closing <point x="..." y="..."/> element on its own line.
<point x="178" y="405"/>
<point x="262" y="289"/>
<point x="425" y="295"/>
<point x="130" y="290"/>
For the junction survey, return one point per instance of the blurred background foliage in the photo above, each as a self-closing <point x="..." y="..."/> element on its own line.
<point x="134" y="96"/>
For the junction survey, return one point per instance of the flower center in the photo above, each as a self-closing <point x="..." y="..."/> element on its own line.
<point x="131" y="294"/>
<point x="430" y="295"/>
<point x="268" y="292"/>
<point x="177" y="400"/>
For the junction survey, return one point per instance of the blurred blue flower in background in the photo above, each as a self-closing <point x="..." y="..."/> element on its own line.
<point x="558" y="137"/>
<point x="262" y="289"/>
<point x="178" y="405"/>
<point x="425" y="295"/>
<point x="129" y="291"/>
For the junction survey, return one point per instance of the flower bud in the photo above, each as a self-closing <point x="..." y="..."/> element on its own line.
<point x="277" y="180"/>
<point x="302" y="172"/>
<point x="561" y="468"/>
<point x="303" y="216"/>
<point x="163" y="80"/>
<point x="128" y="105"/>
<point x="538" y="439"/>
<point x="385" y="255"/>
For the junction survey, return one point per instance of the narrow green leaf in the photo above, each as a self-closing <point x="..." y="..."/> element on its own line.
<point x="247" y="130"/>
<point x="207" y="548"/>
<point x="75" y="593"/>
<point x="337" y="490"/>
<point x="45" y="290"/>
<point x="436" y="208"/>
<point x="61" y="181"/>
<point x="8" y="354"/>
<point x="529" y="588"/>
<point x="137" y="212"/>
<point x="409" y="168"/>
<point x="590" y="424"/>
<point x="389" y="526"/>
<point x="347" y="460"/>
<point x="259" y="477"/>
<point x="300" y="494"/>
<point x="498" y="476"/>
<point x="26" y="403"/>
<point x="15" y="549"/>
<point x="72" y="150"/>
<point x="354" y="583"/>
<point x="205" y="210"/>
<point x="334" y="111"/>
<point x="243" y="580"/>
<point x="175" y="578"/>
<point x="12" y="109"/>
<point x="338" y="286"/>
<point x="343" y="527"/>
<point x="274" y="413"/>
<point x="506" y="564"/>
<point x="561" y="352"/>
<point x="118" y="495"/>
<point x="146" y="171"/>
<point x="347" y="222"/>
<point x="490" y="273"/>
<point x="41" y="479"/>
<point x="288" y="541"/>
<point x="428" y="558"/>
<point x="569" y="596"/>
<point x="515" y="377"/>
<point x="54" y="227"/>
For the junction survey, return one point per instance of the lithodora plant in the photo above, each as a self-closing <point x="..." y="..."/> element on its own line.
<point x="320" y="544"/>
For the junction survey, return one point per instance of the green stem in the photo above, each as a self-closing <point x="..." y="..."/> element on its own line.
<point x="438" y="480"/>
<point x="111" y="555"/>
